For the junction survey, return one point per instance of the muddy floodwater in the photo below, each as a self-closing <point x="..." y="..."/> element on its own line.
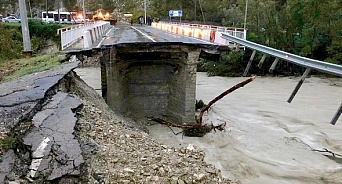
<point x="267" y="140"/>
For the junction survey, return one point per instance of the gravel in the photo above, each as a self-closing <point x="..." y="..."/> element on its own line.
<point x="115" y="151"/>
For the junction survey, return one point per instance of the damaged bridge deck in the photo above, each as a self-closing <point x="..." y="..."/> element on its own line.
<point x="152" y="79"/>
<point x="148" y="72"/>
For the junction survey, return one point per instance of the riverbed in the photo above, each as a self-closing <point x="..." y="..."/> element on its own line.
<point x="266" y="140"/>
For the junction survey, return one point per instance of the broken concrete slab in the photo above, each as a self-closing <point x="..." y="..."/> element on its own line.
<point x="21" y="96"/>
<point x="6" y="165"/>
<point x="56" y="147"/>
<point x="35" y="98"/>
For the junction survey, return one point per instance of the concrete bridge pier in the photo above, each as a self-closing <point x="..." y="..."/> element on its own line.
<point x="151" y="79"/>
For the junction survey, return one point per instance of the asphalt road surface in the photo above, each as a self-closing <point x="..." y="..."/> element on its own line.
<point x="125" y="33"/>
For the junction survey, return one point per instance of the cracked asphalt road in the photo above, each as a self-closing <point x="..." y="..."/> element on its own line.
<point x="19" y="97"/>
<point x="20" y="100"/>
<point x="56" y="122"/>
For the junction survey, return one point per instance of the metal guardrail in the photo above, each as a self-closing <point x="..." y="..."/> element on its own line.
<point x="308" y="63"/>
<point x="205" y="26"/>
<point x="203" y="32"/>
<point x="76" y="26"/>
<point x="71" y="36"/>
<point x="299" y="60"/>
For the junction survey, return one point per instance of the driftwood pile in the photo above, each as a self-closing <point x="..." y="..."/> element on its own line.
<point x="199" y="129"/>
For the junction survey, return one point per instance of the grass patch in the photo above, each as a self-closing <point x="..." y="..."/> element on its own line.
<point x="17" y="68"/>
<point x="7" y="142"/>
<point x="11" y="24"/>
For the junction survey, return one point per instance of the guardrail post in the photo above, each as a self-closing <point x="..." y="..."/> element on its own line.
<point x="274" y="64"/>
<point x="244" y="34"/>
<point x="262" y="60"/>
<point x="337" y="115"/>
<point x="237" y="46"/>
<point x="87" y="42"/>
<point x="298" y="60"/>
<point x="100" y="31"/>
<point x="249" y="63"/>
<point x="306" y="73"/>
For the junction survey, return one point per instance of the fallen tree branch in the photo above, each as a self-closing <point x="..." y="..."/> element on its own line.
<point x="237" y="86"/>
<point x="168" y="124"/>
<point x="325" y="150"/>
<point x="197" y="129"/>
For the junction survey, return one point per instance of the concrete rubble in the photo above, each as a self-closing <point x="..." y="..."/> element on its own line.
<point x="67" y="134"/>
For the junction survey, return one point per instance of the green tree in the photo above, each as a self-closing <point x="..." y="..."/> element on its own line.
<point x="71" y="5"/>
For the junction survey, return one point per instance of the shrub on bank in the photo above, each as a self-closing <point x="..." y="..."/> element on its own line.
<point x="41" y="32"/>
<point x="11" y="45"/>
<point x="235" y="63"/>
<point x="231" y="65"/>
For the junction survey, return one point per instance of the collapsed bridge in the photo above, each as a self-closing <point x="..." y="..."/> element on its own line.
<point x="151" y="79"/>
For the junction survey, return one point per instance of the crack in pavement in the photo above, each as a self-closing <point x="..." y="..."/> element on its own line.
<point x="20" y="100"/>
<point x="58" y="125"/>
<point x="6" y="94"/>
<point x="32" y="95"/>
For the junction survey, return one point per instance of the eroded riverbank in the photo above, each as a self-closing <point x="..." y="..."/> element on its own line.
<point x="62" y="131"/>
<point x="268" y="140"/>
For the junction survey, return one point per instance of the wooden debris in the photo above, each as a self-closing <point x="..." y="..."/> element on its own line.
<point x="325" y="150"/>
<point x="237" y="86"/>
<point x="198" y="129"/>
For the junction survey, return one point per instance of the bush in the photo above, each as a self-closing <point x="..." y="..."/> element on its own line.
<point x="10" y="43"/>
<point x="11" y="38"/>
<point x="232" y="65"/>
<point x="335" y="52"/>
<point x="41" y="32"/>
<point x="37" y="43"/>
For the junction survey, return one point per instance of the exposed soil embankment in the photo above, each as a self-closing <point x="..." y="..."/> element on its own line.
<point x="72" y="136"/>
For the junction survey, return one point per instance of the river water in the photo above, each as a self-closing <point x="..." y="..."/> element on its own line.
<point x="266" y="140"/>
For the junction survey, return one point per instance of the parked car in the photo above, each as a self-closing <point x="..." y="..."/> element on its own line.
<point x="11" y="19"/>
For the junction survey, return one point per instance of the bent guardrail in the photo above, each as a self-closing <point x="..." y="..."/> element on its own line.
<point x="299" y="60"/>
<point x="308" y="63"/>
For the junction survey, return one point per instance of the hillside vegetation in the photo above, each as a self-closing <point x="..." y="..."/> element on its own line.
<point x="310" y="28"/>
<point x="12" y="61"/>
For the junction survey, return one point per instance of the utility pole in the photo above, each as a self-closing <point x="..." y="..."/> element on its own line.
<point x="84" y="13"/>
<point x="195" y="10"/>
<point x="47" y="14"/>
<point x="25" y="29"/>
<point x="59" y="13"/>
<point x="30" y="8"/>
<point x="145" y="9"/>
<point x="199" y="2"/>
<point x="244" y="25"/>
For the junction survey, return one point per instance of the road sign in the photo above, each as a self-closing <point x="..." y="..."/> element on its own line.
<point x="175" y="13"/>
<point x="170" y="13"/>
